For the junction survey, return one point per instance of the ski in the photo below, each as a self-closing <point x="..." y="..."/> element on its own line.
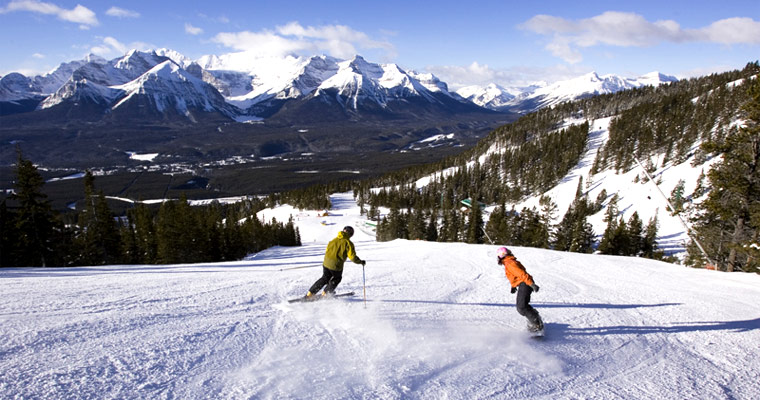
<point x="305" y="299"/>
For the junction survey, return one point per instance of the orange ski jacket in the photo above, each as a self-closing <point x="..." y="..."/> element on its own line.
<point x="515" y="271"/>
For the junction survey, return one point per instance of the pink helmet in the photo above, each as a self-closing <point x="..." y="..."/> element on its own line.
<point x="502" y="252"/>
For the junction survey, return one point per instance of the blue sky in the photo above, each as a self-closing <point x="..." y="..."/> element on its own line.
<point x="463" y="42"/>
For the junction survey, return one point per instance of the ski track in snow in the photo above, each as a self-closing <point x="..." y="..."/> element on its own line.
<point x="439" y="322"/>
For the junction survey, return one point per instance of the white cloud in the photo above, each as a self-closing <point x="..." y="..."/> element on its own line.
<point x="481" y="74"/>
<point x="110" y="47"/>
<point x="38" y="56"/>
<point x="632" y="30"/>
<point x="335" y="40"/>
<point x="731" y="31"/>
<point x="192" y="30"/>
<point x="81" y="15"/>
<point x="122" y="13"/>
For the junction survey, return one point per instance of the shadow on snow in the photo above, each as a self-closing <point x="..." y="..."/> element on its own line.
<point x="536" y="304"/>
<point x="733" y="326"/>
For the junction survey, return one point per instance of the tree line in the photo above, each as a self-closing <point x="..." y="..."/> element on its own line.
<point x="34" y="235"/>
<point x="529" y="227"/>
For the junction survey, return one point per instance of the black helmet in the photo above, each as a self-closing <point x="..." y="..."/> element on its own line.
<point x="348" y="230"/>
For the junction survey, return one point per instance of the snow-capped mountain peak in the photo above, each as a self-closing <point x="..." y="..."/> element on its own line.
<point x="491" y="96"/>
<point x="587" y="85"/>
<point x="314" y="71"/>
<point x="656" y="78"/>
<point x="430" y="82"/>
<point x="168" y="86"/>
<point x="360" y="66"/>
<point x="175" y="56"/>
<point x="137" y="62"/>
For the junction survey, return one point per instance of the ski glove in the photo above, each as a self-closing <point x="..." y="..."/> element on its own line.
<point x="534" y="287"/>
<point x="513" y="291"/>
<point x="364" y="263"/>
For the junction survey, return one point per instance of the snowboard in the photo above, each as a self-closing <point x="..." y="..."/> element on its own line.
<point x="538" y="335"/>
<point x="305" y="299"/>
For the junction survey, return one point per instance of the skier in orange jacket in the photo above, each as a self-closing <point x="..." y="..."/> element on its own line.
<point x="522" y="283"/>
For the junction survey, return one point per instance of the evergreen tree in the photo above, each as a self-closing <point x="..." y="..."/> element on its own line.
<point x="382" y="234"/>
<point x="453" y="226"/>
<point x="730" y="220"/>
<point x="612" y="209"/>
<point x="563" y="235"/>
<point x="649" y="242"/>
<point x="583" y="237"/>
<point x="599" y="204"/>
<point x="574" y="233"/>
<point x="677" y="198"/>
<point x="579" y="189"/>
<point x="431" y="231"/>
<point x="417" y="225"/>
<point x="635" y="235"/>
<point x="533" y="231"/>
<point x="36" y="224"/>
<point x="168" y="231"/>
<point x="390" y="227"/>
<point x="176" y="233"/>
<point x="549" y="210"/>
<point x="145" y="234"/>
<point x="98" y="240"/>
<point x="8" y="236"/>
<point x="373" y="213"/>
<point x="233" y="244"/>
<point x="210" y="232"/>
<point x="497" y="225"/>
<point x="475" y="223"/>
<point x="607" y="244"/>
<point x="700" y="189"/>
<point x="129" y="251"/>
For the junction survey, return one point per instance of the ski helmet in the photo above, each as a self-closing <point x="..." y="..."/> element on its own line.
<point x="348" y="230"/>
<point x="502" y="252"/>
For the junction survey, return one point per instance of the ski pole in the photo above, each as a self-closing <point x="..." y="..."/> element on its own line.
<point x="364" y="285"/>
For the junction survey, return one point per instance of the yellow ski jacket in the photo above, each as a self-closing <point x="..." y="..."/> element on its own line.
<point x="338" y="250"/>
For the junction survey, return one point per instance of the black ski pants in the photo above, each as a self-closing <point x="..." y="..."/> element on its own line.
<point x="330" y="278"/>
<point x="523" y="304"/>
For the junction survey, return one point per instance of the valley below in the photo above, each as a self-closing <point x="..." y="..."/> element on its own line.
<point x="201" y="161"/>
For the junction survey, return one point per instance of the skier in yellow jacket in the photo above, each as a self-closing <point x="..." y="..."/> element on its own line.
<point x="338" y="250"/>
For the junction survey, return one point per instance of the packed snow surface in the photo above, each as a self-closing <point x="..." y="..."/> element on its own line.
<point x="438" y="322"/>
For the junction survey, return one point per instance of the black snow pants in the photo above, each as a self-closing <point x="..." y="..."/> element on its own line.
<point x="523" y="304"/>
<point x="330" y="278"/>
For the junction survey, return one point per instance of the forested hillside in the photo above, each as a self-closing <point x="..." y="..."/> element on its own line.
<point x="696" y="118"/>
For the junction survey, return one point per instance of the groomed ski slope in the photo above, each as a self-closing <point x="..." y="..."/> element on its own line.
<point x="438" y="323"/>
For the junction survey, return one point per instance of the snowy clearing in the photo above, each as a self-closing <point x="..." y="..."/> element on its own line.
<point x="142" y="157"/>
<point x="439" y="322"/>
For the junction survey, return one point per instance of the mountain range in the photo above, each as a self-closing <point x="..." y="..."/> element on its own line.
<point x="95" y="113"/>
<point x="165" y="84"/>
<point x="532" y="98"/>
